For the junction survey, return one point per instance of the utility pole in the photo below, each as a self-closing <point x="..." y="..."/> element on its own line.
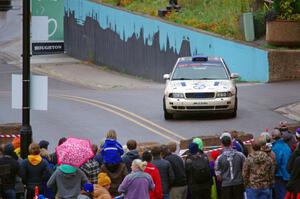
<point x="26" y="132"/>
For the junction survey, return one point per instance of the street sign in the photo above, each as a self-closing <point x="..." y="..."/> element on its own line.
<point x="38" y="92"/>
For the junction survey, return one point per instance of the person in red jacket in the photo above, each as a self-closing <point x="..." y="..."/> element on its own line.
<point x="154" y="173"/>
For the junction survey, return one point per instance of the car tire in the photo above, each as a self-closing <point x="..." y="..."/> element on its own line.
<point x="234" y="113"/>
<point x="167" y="116"/>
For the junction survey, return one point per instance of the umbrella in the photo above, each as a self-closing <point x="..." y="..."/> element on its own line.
<point x="74" y="152"/>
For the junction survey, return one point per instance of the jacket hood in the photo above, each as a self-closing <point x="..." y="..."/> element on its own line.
<point x="34" y="159"/>
<point x="259" y="157"/>
<point x="67" y="169"/>
<point x="133" y="154"/>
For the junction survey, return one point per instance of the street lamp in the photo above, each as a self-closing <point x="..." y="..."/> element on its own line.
<point x="26" y="131"/>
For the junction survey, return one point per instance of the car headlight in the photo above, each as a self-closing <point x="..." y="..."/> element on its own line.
<point x="224" y="94"/>
<point x="176" y="95"/>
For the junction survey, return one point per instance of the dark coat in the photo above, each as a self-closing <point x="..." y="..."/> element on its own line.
<point x="8" y="180"/>
<point x="166" y="173"/>
<point x="178" y="168"/>
<point x="129" y="157"/>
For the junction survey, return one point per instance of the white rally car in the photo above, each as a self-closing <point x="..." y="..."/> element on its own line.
<point x="200" y="84"/>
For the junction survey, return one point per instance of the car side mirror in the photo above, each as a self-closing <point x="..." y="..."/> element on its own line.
<point x="234" y="75"/>
<point x="166" y="76"/>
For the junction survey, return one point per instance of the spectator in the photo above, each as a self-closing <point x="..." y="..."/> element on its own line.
<point x="91" y="168"/>
<point x="287" y="136"/>
<point x="178" y="188"/>
<point x="101" y="189"/>
<point x="199" y="143"/>
<point x="165" y="170"/>
<point x="53" y="156"/>
<point x="258" y="172"/>
<point x="116" y="173"/>
<point x="34" y="170"/>
<point x="228" y="168"/>
<point x="154" y="173"/>
<point x="17" y="145"/>
<point x="68" y="181"/>
<point x="282" y="153"/>
<point x="198" y="173"/>
<point x="87" y="192"/>
<point x="9" y="169"/>
<point x="98" y="157"/>
<point x="295" y="154"/>
<point x="44" y="144"/>
<point x="293" y="185"/>
<point x="131" y="155"/>
<point x="137" y="184"/>
<point x="238" y="144"/>
<point x="112" y="150"/>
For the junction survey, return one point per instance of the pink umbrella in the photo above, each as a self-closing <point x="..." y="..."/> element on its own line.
<point x="74" y="152"/>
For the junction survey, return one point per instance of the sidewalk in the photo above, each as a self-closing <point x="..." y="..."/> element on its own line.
<point x="68" y="69"/>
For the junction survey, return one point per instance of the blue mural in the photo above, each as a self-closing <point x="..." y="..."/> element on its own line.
<point x="250" y="62"/>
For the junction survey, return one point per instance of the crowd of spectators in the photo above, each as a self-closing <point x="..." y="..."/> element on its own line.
<point x="269" y="169"/>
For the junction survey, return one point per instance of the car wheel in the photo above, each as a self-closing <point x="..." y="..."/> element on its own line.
<point x="234" y="113"/>
<point x="167" y="116"/>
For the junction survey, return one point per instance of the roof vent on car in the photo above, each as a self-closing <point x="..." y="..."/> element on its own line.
<point x="199" y="58"/>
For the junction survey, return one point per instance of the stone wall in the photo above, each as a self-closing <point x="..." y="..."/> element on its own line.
<point x="284" y="65"/>
<point x="8" y="129"/>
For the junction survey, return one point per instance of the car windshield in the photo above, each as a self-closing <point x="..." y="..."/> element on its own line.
<point x="199" y="71"/>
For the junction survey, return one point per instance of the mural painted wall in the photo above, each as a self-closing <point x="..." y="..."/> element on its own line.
<point x="148" y="47"/>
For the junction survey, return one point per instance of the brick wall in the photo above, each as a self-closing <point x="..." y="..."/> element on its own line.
<point x="284" y="65"/>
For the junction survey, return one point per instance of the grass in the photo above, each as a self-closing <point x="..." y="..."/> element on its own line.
<point x="218" y="16"/>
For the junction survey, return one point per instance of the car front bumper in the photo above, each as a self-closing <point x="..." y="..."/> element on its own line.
<point x="183" y="105"/>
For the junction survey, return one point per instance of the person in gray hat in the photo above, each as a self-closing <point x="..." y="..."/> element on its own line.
<point x="228" y="169"/>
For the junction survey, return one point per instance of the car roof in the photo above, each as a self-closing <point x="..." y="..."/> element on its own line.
<point x="211" y="60"/>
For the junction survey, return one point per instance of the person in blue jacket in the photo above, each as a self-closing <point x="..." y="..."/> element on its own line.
<point x="282" y="153"/>
<point x="112" y="150"/>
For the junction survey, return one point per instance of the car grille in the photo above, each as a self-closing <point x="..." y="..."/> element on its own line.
<point x="200" y="95"/>
<point x="200" y="107"/>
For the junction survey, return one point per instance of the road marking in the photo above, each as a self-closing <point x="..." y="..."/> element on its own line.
<point x="129" y="113"/>
<point x="74" y="98"/>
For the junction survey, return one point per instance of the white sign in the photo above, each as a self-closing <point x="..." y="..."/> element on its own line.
<point x="38" y="92"/>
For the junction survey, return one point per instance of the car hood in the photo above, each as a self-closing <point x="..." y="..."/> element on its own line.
<point x="200" y="86"/>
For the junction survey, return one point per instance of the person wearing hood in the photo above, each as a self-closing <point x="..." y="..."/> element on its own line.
<point x="154" y="173"/>
<point x="17" y="146"/>
<point x="34" y="170"/>
<point x="199" y="143"/>
<point x="131" y="155"/>
<point x="198" y="173"/>
<point x="10" y="168"/>
<point x="68" y="181"/>
<point x="138" y="183"/>
<point x="228" y="169"/>
<point x="101" y="189"/>
<point x="258" y="172"/>
<point x="282" y="153"/>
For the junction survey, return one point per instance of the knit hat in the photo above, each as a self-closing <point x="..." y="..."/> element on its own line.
<point x="193" y="147"/>
<point x="88" y="187"/>
<point x="225" y="138"/>
<point x="298" y="133"/>
<point x="16" y="142"/>
<point x="44" y="144"/>
<point x="199" y="142"/>
<point x="103" y="179"/>
<point x="67" y="168"/>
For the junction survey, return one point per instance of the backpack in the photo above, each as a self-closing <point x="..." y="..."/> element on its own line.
<point x="200" y="169"/>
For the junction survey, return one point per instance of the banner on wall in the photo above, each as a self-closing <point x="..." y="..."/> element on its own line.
<point x="47" y="34"/>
